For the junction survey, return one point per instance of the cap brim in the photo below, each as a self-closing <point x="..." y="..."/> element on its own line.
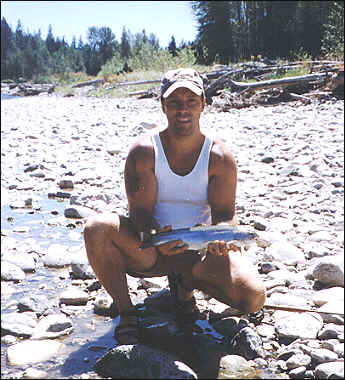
<point x="186" y="84"/>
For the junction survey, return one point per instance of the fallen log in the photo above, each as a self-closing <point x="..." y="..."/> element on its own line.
<point x="95" y="82"/>
<point x="133" y="83"/>
<point x="234" y="86"/>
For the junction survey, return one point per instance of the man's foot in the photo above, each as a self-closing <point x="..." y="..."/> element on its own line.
<point x="127" y="331"/>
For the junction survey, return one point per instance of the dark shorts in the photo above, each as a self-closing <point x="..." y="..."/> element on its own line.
<point x="177" y="264"/>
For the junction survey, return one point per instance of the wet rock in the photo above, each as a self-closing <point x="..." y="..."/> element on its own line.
<point x="247" y="343"/>
<point x="230" y="326"/>
<point x="11" y="272"/>
<point x="140" y="361"/>
<point x="78" y="212"/>
<point x="104" y="305"/>
<point x="25" y="261"/>
<point x="33" y="351"/>
<point x="74" y="296"/>
<point x="82" y="271"/>
<point x="18" y="324"/>
<point x="37" y="303"/>
<point x="52" y="326"/>
<point x="57" y="256"/>
<point x="234" y="367"/>
<point x="34" y="373"/>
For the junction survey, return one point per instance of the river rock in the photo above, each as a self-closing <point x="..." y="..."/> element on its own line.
<point x="52" y="326"/>
<point x="37" y="303"/>
<point x="298" y="360"/>
<point x="332" y="370"/>
<point x="323" y="296"/>
<point x="11" y="272"/>
<point x="234" y="367"/>
<point x="82" y="271"/>
<point x="284" y="252"/>
<point x="247" y="343"/>
<point x="330" y="271"/>
<point x="74" y="296"/>
<point x="140" y="361"/>
<point x="230" y="326"/>
<point x="78" y="212"/>
<point x="33" y="351"/>
<point x="18" y="324"/>
<point x="297" y="325"/>
<point x="57" y="256"/>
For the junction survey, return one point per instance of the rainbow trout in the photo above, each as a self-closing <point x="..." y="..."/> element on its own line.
<point x="198" y="238"/>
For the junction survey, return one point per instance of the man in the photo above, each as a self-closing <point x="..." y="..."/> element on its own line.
<point x="176" y="178"/>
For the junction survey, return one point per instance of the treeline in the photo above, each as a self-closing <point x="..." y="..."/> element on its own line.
<point x="228" y="31"/>
<point x="29" y="56"/>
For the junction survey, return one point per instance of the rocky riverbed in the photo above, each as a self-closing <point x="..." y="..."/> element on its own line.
<point x="62" y="159"/>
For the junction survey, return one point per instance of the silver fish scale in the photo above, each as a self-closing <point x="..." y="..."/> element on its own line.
<point x="198" y="237"/>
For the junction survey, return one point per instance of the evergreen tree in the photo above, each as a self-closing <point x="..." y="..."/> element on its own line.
<point x="172" y="47"/>
<point x="125" y="46"/>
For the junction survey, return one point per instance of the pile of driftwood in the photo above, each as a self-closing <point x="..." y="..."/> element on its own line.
<point x="26" y="88"/>
<point x="225" y="87"/>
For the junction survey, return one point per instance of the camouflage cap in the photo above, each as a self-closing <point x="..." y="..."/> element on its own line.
<point x="188" y="78"/>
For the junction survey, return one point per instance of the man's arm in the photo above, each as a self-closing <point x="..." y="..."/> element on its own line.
<point x="222" y="184"/>
<point x="141" y="185"/>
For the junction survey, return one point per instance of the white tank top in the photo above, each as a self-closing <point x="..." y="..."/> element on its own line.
<point x="181" y="200"/>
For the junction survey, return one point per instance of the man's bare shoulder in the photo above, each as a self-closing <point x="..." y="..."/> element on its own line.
<point x="142" y="151"/>
<point x="221" y="157"/>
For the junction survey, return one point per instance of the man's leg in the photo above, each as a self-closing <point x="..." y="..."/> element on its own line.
<point x="113" y="248"/>
<point x="231" y="279"/>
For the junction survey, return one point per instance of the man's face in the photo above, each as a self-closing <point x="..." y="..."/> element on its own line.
<point x="183" y="109"/>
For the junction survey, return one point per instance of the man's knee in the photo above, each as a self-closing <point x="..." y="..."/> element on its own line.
<point x="98" y="226"/>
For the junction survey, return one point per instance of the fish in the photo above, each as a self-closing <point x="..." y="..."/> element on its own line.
<point x="198" y="237"/>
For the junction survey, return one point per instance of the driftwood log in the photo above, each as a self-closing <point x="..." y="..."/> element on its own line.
<point x="95" y="82"/>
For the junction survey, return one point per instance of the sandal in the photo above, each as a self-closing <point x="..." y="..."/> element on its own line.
<point x="127" y="331"/>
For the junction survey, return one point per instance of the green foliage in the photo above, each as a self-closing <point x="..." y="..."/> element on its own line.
<point x="228" y="31"/>
<point x="333" y="39"/>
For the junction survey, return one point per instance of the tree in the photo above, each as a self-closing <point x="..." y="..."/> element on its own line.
<point x="215" y="29"/>
<point x="125" y="46"/>
<point x="172" y="47"/>
<point x="333" y="37"/>
<point x="50" y="40"/>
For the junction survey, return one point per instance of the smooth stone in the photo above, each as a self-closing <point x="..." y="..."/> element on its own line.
<point x="332" y="370"/>
<point x="297" y="325"/>
<point x="298" y="360"/>
<point x="11" y="272"/>
<point x="78" y="212"/>
<point x="247" y="343"/>
<point x="330" y="270"/>
<point x="33" y="351"/>
<point x="284" y="252"/>
<point x="234" y="367"/>
<point x="52" y="326"/>
<point x="140" y="361"/>
<point x="18" y="324"/>
<point x="73" y="296"/>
